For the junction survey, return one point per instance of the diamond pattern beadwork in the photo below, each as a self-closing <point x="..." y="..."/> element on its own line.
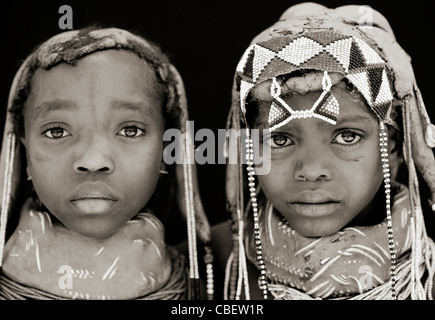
<point x="325" y="108"/>
<point x="300" y="50"/>
<point x="321" y="50"/>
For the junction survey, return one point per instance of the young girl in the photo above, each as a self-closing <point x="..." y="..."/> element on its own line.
<point x="341" y="112"/>
<point x="84" y="184"/>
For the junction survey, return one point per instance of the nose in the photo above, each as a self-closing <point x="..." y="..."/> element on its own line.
<point x="313" y="163"/>
<point x="94" y="156"/>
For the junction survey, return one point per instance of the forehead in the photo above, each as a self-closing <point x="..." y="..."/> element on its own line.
<point x="350" y="100"/>
<point x="102" y="76"/>
<point x="110" y="65"/>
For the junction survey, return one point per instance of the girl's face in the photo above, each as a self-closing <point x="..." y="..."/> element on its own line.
<point x="323" y="176"/>
<point x="94" y="135"/>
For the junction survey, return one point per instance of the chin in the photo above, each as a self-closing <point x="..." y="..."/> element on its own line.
<point x="94" y="230"/>
<point x="318" y="230"/>
<point x="98" y="235"/>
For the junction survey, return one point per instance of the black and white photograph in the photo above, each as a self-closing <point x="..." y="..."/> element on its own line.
<point x="217" y="152"/>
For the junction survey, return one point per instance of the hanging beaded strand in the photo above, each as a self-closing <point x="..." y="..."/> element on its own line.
<point x="242" y="267"/>
<point x="383" y="143"/>
<point x="250" y="162"/>
<point x="191" y="224"/>
<point x="208" y="260"/>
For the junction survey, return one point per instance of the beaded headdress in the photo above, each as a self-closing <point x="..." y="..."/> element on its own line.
<point x="68" y="47"/>
<point x="327" y="51"/>
<point x="310" y="37"/>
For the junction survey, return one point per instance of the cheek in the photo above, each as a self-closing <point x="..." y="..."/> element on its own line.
<point x="366" y="177"/>
<point x="140" y="169"/>
<point x="375" y="175"/>
<point x="275" y="182"/>
<point x="45" y="167"/>
<point x="368" y="167"/>
<point x="49" y="178"/>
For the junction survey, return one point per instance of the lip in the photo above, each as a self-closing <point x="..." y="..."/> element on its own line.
<point x="93" y="205"/>
<point x="315" y="203"/>
<point x="93" y="199"/>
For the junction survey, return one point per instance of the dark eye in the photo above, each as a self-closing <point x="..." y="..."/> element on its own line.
<point x="279" y="141"/>
<point x="131" y="132"/>
<point x="56" y="133"/>
<point x="347" y="137"/>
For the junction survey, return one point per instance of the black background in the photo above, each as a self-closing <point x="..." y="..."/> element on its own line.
<point x="204" y="40"/>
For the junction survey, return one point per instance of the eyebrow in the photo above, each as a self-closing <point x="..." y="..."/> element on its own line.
<point x="137" y="107"/>
<point x="45" y="108"/>
<point x="354" y="118"/>
<point x="260" y="124"/>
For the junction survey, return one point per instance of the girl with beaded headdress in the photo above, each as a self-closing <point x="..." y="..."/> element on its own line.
<point x="338" y="108"/>
<point x="83" y="182"/>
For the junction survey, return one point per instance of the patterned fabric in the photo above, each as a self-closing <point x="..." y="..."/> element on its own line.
<point x="174" y="289"/>
<point x="321" y="50"/>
